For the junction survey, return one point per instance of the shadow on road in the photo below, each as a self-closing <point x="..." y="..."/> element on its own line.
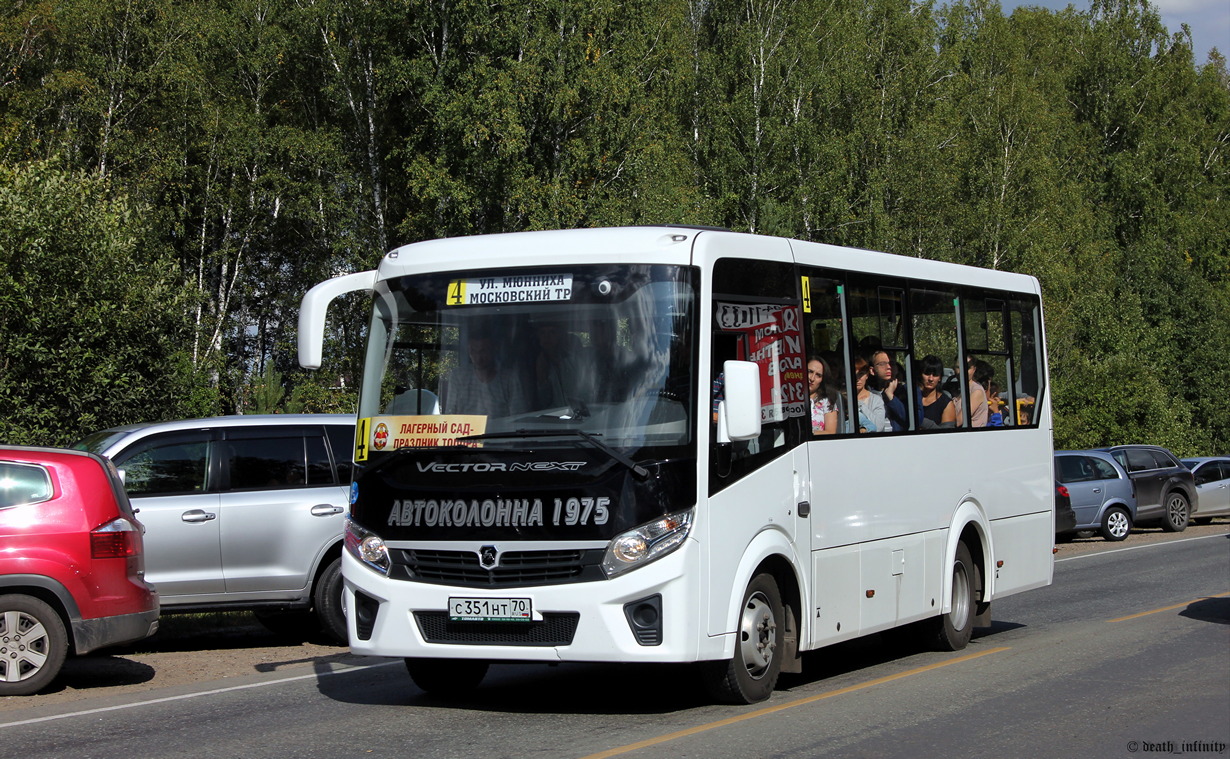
<point x="100" y="671"/>
<point x="1215" y="610"/>
<point x="616" y="689"/>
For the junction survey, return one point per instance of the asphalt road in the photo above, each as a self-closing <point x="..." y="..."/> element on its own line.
<point x="1126" y="654"/>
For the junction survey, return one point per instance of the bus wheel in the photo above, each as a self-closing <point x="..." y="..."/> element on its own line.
<point x="1177" y="512"/>
<point x="952" y="631"/>
<point x="752" y="674"/>
<point x="447" y="677"/>
<point x="1116" y="523"/>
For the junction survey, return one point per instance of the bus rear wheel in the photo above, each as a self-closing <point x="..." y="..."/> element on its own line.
<point x="751" y="675"/>
<point x="952" y="631"/>
<point x="447" y="677"/>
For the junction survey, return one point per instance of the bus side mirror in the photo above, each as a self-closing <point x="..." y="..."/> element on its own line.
<point x="739" y="411"/>
<point x="314" y="306"/>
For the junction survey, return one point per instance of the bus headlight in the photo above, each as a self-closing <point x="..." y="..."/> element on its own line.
<point x="646" y="543"/>
<point x="367" y="547"/>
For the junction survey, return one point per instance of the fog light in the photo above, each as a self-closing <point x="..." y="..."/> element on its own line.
<point x="645" y="619"/>
<point x="365" y="610"/>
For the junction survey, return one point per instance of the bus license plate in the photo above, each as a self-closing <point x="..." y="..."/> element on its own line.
<point x="490" y="610"/>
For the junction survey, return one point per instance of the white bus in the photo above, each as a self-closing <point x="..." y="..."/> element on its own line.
<point x="598" y="446"/>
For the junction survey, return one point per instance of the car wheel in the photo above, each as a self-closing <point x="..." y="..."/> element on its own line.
<point x="1116" y="524"/>
<point x="1177" y="512"/>
<point x="329" y="607"/>
<point x="33" y="645"/>
<point x="447" y="677"/>
<point x="952" y="631"/>
<point x="751" y="675"/>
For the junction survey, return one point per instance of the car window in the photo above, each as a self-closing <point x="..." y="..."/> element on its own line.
<point x="341" y="440"/>
<point x="1073" y="469"/>
<point x="1139" y="460"/>
<point x="319" y="470"/>
<point x="165" y="465"/>
<point x="1103" y="470"/>
<point x="22" y="484"/>
<point x="270" y="461"/>
<point x="1211" y="471"/>
<point x="1165" y="460"/>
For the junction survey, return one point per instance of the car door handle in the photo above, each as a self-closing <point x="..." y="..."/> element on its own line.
<point x="804" y="508"/>
<point x="1097" y="490"/>
<point x="326" y="510"/>
<point x="196" y="515"/>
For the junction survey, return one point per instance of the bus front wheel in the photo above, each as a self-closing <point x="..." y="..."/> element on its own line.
<point x="751" y="675"/>
<point x="447" y="677"/>
<point x="953" y="630"/>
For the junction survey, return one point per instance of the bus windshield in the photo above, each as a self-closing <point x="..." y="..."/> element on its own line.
<point x="511" y="358"/>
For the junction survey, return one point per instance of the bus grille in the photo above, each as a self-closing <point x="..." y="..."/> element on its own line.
<point x="555" y="629"/>
<point x="516" y="568"/>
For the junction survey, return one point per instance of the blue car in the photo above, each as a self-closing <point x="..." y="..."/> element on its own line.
<point x="1103" y="496"/>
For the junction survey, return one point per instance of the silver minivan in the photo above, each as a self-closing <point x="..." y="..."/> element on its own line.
<point x="241" y="512"/>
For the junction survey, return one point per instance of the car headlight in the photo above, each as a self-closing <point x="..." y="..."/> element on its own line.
<point x="646" y="543"/>
<point x="367" y="547"/>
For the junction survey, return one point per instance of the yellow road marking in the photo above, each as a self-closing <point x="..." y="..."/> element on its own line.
<point x="782" y="707"/>
<point x="1168" y="608"/>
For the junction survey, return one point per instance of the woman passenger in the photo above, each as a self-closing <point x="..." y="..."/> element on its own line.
<point x="938" y="409"/>
<point x="823" y="397"/>
<point x="979" y="373"/>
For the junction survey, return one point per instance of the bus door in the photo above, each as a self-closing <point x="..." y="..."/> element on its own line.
<point x="756" y="485"/>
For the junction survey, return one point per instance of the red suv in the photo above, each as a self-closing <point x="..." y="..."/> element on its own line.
<point x="72" y="567"/>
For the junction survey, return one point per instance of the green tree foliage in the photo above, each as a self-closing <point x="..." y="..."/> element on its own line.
<point x="93" y="329"/>
<point x="256" y="147"/>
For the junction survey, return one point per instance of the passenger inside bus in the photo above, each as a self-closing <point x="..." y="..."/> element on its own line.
<point x="978" y="373"/>
<point x="562" y="374"/>
<point x="610" y="364"/>
<point x="871" y="415"/>
<point x="938" y="410"/>
<point x="478" y="386"/>
<point x="823" y="397"/>
<point x="891" y="389"/>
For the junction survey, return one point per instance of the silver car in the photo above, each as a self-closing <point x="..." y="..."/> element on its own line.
<point x="1212" y="475"/>
<point x="1102" y="494"/>
<point x="241" y="512"/>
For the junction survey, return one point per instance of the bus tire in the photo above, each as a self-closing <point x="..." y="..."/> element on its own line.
<point x="447" y="677"/>
<point x="33" y="644"/>
<point x="952" y="631"/>
<point x="1177" y="512"/>
<point x="1116" y="524"/>
<point x="751" y="675"/>
<point x="328" y="603"/>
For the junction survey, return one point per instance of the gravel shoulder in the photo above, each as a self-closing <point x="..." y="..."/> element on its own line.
<point x="205" y="648"/>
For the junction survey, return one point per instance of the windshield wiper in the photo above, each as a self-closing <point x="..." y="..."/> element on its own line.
<point x="638" y="470"/>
